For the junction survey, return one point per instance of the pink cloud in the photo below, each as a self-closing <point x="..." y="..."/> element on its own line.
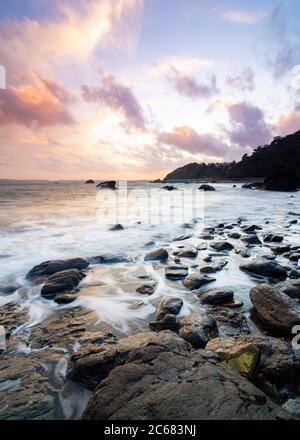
<point x="186" y="138"/>
<point x="44" y="103"/>
<point x="289" y="123"/>
<point x="117" y="97"/>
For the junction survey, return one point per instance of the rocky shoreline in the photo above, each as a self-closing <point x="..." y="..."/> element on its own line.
<point x="210" y="363"/>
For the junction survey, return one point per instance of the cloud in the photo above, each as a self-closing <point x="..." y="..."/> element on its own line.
<point x="117" y="97"/>
<point x="249" y="127"/>
<point x="242" y="82"/>
<point x="187" y="85"/>
<point x="186" y="138"/>
<point x="44" y="103"/>
<point x="80" y="28"/>
<point x="242" y="16"/>
<point x="289" y="123"/>
<point x="183" y="64"/>
<point x="285" y="53"/>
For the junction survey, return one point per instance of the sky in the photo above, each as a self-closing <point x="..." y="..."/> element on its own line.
<point x="132" y="89"/>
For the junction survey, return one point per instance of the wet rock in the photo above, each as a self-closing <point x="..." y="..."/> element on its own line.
<point x="281" y="249"/>
<point x="89" y="181"/>
<point x="169" y="188"/>
<point x="48" y="268"/>
<point x="241" y="355"/>
<point x="273" y="238"/>
<point x="108" y="259"/>
<point x="176" y="272"/>
<point x="208" y="269"/>
<point x="220" y="265"/>
<point x="251" y="240"/>
<point x="294" y="274"/>
<point x="168" y="322"/>
<point x="233" y="304"/>
<point x="207" y="259"/>
<point x="60" y="282"/>
<point x="66" y="298"/>
<point x="195" y="281"/>
<point x="294" y="256"/>
<point x="235" y="235"/>
<point x="293" y="407"/>
<point x="206" y="237"/>
<point x="215" y="296"/>
<point x="170" y="305"/>
<point x="230" y="322"/>
<point x="251" y="229"/>
<point x="159" y="377"/>
<point x="206" y="187"/>
<point x="254" y="185"/>
<point x="117" y="227"/>
<point x="9" y="288"/>
<point x="188" y="253"/>
<point x="222" y="246"/>
<point x="198" y="329"/>
<point x="157" y="255"/>
<point x="291" y="288"/>
<point x="265" y="268"/>
<point x="182" y="237"/>
<point x="108" y="185"/>
<point x="275" y="308"/>
<point x="147" y="289"/>
<point x="244" y="253"/>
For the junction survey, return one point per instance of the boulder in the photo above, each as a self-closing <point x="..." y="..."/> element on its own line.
<point x="265" y="268"/>
<point x="176" y="272"/>
<point x="169" y="188"/>
<point x="194" y="281"/>
<point x="9" y="288"/>
<point x="215" y="296"/>
<point x="48" y="268"/>
<point x="273" y="238"/>
<point x="235" y="235"/>
<point x="198" y="329"/>
<point x="89" y="182"/>
<point x="157" y="376"/>
<point x="208" y="269"/>
<point x="230" y="322"/>
<point x="206" y="187"/>
<point x="61" y="282"/>
<point x="168" y="322"/>
<point x="170" y="305"/>
<point x="108" y="185"/>
<point x="251" y="229"/>
<point x="157" y="255"/>
<point x="117" y="227"/>
<point x="251" y="239"/>
<point x="276" y="309"/>
<point x="188" y="252"/>
<point x="241" y="355"/>
<point x="254" y="185"/>
<point x="147" y="289"/>
<point x="278" y="370"/>
<point x="221" y="246"/>
<point x="291" y="288"/>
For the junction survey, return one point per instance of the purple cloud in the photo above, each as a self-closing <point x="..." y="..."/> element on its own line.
<point x="187" y="85"/>
<point x="242" y="82"/>
<point x="249" y="126"/>
<point x="117" y="97"/>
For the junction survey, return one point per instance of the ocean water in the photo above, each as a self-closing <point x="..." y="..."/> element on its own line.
<point x="44" y="221"/>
